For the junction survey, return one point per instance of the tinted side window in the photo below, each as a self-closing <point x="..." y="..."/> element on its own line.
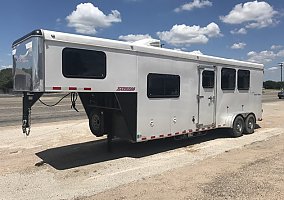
<point x="208" y="79"/>
<point x="163" y="85"/>
<point x="81" y="63"/>
<point x="243" y="79"/>
<point x="228" y="79"/>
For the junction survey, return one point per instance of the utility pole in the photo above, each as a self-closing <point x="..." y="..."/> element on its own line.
<point x="281" y="66"/>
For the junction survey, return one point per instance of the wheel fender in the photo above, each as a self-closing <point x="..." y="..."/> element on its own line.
<point x="230" y="119"/>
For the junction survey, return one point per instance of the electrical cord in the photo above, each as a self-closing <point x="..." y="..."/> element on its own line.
<point x="74" y="97"/>
<point x="55" y="103"/>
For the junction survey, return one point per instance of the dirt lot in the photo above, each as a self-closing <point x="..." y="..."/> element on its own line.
<point x="64" y="161"/>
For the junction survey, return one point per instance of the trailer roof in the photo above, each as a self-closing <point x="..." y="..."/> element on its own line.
<point x="127" y="46"/>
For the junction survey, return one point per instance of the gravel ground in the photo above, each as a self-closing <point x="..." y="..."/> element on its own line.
<point x="253" y="172"/>
<point x="64" y="161"/>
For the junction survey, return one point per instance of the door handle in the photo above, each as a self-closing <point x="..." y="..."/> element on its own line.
<point x="211" y="98"/>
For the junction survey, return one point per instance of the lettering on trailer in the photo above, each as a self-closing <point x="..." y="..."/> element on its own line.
<point x="125" y="89"/>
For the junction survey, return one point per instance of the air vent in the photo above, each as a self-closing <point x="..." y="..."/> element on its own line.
<point x="148" y="42"/>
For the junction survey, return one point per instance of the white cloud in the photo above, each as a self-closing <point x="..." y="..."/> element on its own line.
<point x="264" y="56"/>
<point x="261" y="57"/>
<point x="87" y="18"/>
<point x="196" y="52"/>
<point x="133" y="38"/>
<point x="280" y="53"/>
<point x="5" y="66"/>
<point x="241" y="31"/>
<point x="275" y="47"/>
<point x="254" y="14"/>
<point x="180" y="35"/>
<point x="272" y="69"/>
<point x="195" y="4"/>
<point x="240" y="45"/>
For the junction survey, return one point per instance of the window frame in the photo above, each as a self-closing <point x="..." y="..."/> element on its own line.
<point x="234" y="83"/>
<point x="82" y="76"/>
<point x="244" y="88"/>
<point x="208" y="86"/>
<point x="165" y="76"/>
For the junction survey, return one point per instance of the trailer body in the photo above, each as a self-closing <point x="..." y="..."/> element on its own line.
<point x="138" y="92"/>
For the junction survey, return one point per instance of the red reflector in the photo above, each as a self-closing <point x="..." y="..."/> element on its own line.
<point x="184" y="131"/>
<point x="153" y="137"/>
<point x="143" y="138"/>
<point x="170" y="134"/>
<point x="190" y="130"/>
<point x="56" y="88"/>
<point x="161" y="135"/>
<point x="87" y="88"/>
<point x="72" y="88"/>
<point x="176" y="133"/>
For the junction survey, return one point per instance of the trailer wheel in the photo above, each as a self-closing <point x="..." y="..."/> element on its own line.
<point x="96" y="123"/>
<point x="238" y="127"/>
<point x="249" y="124"/>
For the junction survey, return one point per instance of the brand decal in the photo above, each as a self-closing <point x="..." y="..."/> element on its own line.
<point x="125" y="89"/>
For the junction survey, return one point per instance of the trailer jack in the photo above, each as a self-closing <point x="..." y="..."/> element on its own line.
<point x="29" y="100"/>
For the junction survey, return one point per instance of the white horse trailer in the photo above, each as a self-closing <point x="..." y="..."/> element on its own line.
<point x="138" y="92"/>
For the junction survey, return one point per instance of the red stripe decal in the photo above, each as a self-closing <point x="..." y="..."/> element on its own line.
<point x="153" y="137"/>
<point x="87" y="88"/>
<point x="161" y="135"/>
<point x="56" y="88"/>
<point x="72" y="88"/>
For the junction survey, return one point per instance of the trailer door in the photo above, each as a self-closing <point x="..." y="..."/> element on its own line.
<point x="206" y="96"/>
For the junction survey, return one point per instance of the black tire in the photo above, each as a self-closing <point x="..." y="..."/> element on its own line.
<point x="249" y="124"/>
<point x="96" y="123"/>
<point x="238" y="127"/>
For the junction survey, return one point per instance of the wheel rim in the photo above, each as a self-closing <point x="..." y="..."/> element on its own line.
<point x="239" y="127"/>
<point x="250" y="124"/>
<point x="96" y="122"/>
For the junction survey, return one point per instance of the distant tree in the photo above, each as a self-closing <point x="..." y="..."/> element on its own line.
<point x="6" y="79"/>
<point x="271" y="85"/>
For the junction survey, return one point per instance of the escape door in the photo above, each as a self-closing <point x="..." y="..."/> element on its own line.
<point x="206" y="97"/>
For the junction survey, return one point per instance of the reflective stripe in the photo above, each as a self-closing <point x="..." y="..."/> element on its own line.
<point x="56" y="88"/>
<point x="72" y="88"/>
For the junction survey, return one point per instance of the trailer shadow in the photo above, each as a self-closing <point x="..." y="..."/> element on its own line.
<point x="76" y="155"/>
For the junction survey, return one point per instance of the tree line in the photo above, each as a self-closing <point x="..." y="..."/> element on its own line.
<point x="6" y="81"/>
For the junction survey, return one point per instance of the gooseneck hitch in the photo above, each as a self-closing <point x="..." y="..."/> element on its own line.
<point x="29" y="100"/>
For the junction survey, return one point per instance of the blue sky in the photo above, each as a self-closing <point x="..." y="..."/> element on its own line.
<point x="243" y="30"/>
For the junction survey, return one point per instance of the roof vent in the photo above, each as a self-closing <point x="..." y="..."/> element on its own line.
<point x="148" y="42"/>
